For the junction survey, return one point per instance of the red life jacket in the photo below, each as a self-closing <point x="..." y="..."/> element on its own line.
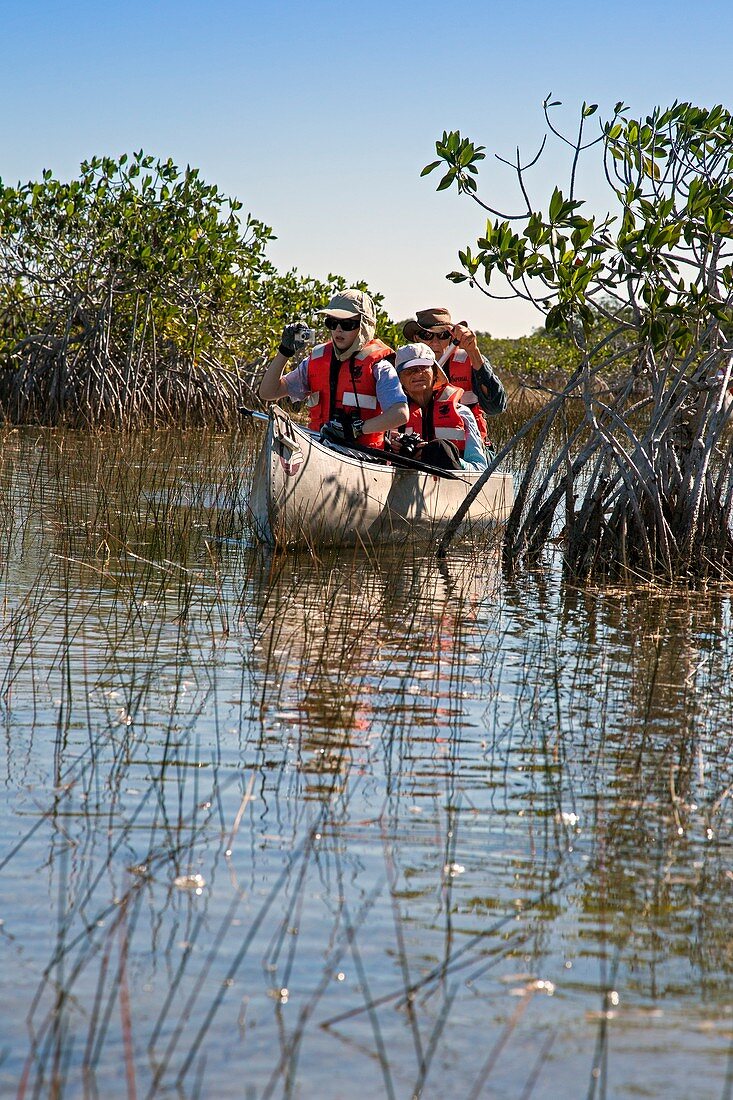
<point x="459" y="370"/>
<point x="447" y="422"/>
<point x="356" y="389"/>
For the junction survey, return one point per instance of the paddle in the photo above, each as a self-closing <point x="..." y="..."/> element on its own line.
<point x="403" y="461"/>
<point x="386" y="457"/>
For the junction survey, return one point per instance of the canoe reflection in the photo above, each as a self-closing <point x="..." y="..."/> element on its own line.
<point x="336" y="637"/>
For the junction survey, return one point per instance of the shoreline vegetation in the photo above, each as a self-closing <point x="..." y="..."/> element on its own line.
<point x="138" y="294"/>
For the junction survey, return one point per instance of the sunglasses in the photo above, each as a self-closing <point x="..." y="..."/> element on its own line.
<point x="425" y="335"/>
<point x="351" y="325"/>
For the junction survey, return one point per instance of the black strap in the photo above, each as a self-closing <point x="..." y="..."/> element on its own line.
<point x="353" y="385"/>
<point x="427" y="421"/>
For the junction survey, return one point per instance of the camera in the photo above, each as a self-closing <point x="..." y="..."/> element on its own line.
<point x="304" y="337"/>
<point x="409" y="443"/>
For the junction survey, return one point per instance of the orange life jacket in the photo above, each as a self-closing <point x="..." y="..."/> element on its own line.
<point x="447" y="422"/>
<point x="356" y="388"/>
<point x="460" y="372"/>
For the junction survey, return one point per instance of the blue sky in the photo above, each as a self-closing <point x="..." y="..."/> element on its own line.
<point x="320" y="118"/>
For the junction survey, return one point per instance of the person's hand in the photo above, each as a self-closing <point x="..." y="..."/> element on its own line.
<point x="342" y="428"/>
<point x="410" y="443"/>
<point x="465" y="337"/>
<point x="294" y="338"/>
<point x="334" y="432"/>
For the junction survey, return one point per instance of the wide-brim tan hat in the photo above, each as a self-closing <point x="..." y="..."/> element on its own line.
<point x="437" y="318"/>
<point x="350" y="303"/>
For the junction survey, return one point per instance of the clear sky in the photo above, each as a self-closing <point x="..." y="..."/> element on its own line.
<point x="320" y="117"/>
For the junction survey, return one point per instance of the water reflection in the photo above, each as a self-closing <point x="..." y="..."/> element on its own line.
<point x="270" y="823"/>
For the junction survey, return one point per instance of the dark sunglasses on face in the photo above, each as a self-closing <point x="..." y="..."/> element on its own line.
<point x="351" y="325"/>
<point x="425" y="335"/>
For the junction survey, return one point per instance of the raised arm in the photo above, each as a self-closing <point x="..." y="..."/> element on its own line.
<point x="294" y="337"/>
<point x="272" y="386"/>
<point x="487" y="387"/>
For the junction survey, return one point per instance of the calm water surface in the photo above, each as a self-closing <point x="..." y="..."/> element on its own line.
<point x="354" y="825"/>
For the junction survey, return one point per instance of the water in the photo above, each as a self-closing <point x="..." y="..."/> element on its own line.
<point x="354" y="824"/>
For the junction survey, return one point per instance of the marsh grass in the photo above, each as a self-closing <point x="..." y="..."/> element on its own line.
<point x="413" y="792"/>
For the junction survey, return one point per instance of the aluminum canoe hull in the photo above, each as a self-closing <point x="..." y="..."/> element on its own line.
<point x="305" y="493"/>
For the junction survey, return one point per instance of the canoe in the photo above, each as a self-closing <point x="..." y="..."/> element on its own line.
<point x="306" y="492"/>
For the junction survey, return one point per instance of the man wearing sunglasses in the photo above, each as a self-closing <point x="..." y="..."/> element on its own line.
<point x="349" y="383"/>
<point x="465" y="366"/>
